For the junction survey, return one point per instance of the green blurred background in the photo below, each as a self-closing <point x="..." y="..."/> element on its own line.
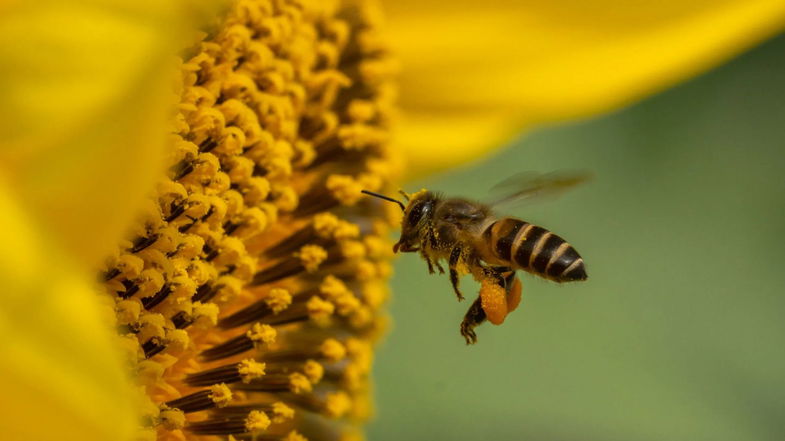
<point x="677" y="335"/>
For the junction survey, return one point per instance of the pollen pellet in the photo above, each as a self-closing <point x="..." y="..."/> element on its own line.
<point x="239" y="294"/>
<point x="494" y="301"/>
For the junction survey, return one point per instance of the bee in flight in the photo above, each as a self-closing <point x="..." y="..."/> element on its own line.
<point x="474" y="241"/>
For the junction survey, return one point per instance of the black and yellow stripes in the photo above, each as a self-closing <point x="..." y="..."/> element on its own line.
<point x="535" y="249"/>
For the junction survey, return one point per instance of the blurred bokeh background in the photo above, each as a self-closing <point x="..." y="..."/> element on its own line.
<point x="678" y="334"/>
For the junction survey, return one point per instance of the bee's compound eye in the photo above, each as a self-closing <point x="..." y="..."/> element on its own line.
<point x="418" y="211"/>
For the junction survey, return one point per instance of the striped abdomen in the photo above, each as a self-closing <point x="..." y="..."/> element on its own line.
<point x="535" y="249"/>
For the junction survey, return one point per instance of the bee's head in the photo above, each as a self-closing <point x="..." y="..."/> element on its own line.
<point x="417" y="216"/>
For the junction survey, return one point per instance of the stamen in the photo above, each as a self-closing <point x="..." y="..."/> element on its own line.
<point x="276" y="302"/>
<point x="271" y="147"/>
<point x="244" y="371"/>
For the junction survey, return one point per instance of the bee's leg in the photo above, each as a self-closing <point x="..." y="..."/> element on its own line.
<point x="431" y="263"/>
<point x="504" y="275"/>
<point x="496" y="273"/>
<point x="512" y="286"/>
<point x="427" y="259"/>
<point x="427" y="245"/>
<point x="455" y="257"/>
<point x="474" y="316"/>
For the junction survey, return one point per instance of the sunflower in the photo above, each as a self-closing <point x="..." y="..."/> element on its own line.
<point x="216" y="197"/>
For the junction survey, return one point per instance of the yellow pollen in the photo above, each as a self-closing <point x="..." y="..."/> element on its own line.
<point x="151" y="326"/>
<point x="129" y="266"/>
<point x="417" y="194"/>
<point x="313" y="370"/>
<point x="311" y="257"/>
<point x="257" y="421"/>
<point x="298" y="383"/>
<point x="250" y="370"/>
<point x="149" y="372"/>
<point x="228" y="287"/>
<point x="183" y="287"/>
<point x="220" y="394"/>
<point x="177" y="340"/>
<point x="345" y="189"/>
<point x="333" y="350"/>
<point x="150" y="281"/>
<point x="352" y="249"/>
<point x="332" y="287"/>
<point x="337" y="404"/>
<point x="325" y="224"/>
<point x="284" y="116"/>
<point x="282" y="412"/>
<point x="383" y="270"/>
<point x="346" y="303"/>
<point x="261" y="334"/>
<point x="353" y="377"/>
<point x="278" y="299"/>
<point x="375" y="294"/>
<point x="366" y="270"/>
<point x="205" y="314"/>
<point x="377" y="247"/>
<point x="358" y="348"/>
<point x="346" y="230"/>
<point x="172" y="419"/>
<point x="361" y="110"/>
<point x="361" y="317"/>
<point x="128" y="311"/>
<point x="294" y="436"/>
<point x="319" y="310"/>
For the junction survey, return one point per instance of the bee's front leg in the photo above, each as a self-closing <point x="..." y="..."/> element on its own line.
<point x="427" y="247"/>
<point x="427" y="259"/>
<point x="455" y="257"/>
<point x="474" y="316"/>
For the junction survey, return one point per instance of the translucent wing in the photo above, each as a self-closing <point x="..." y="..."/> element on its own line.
<point x="529" y="186"/>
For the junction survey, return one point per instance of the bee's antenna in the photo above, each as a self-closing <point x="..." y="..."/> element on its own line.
<point x="381" y="196"/>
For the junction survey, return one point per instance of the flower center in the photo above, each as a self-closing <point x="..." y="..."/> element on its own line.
<point x="249" y="295"/>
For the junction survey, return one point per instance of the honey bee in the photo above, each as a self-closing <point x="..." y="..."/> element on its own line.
<point x="474" y="241"/>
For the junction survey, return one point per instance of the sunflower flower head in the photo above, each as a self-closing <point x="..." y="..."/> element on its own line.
<point x="248" y="295"/>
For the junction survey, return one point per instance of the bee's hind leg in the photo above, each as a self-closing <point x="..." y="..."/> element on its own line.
<point x="513" y="288"/>
<point x="505" y="276"/>
<point x="474" y="316"/>
<point x="455" y="256"/>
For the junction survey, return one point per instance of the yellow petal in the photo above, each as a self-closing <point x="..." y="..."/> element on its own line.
<point x="475" y="73"/>
<point x="86" y="90"/>
<point x="86" y="94"/>
<point x="60" y="373"/>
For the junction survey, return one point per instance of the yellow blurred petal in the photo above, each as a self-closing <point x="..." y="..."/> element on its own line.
<point x="475" y="73"/>
<point x="60" y="374"/>
<point x="87" y="90"/>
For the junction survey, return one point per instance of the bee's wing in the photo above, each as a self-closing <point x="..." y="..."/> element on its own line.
<point x="529" y="186"/>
